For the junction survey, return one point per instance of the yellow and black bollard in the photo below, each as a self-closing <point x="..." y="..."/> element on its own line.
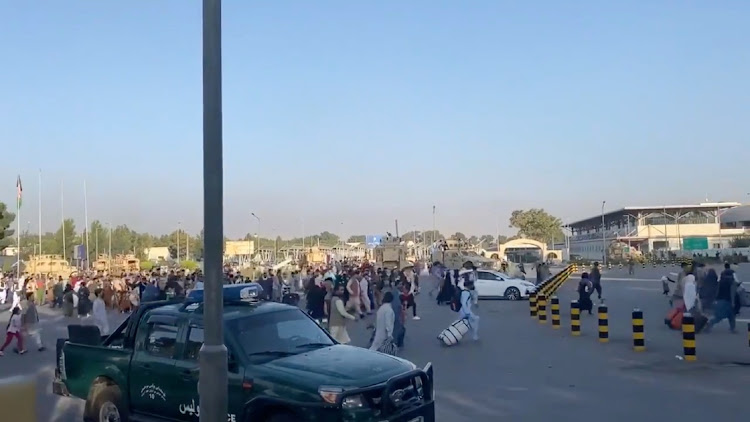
<point x="532" y="304"/>
<point x="541" y="311"/>
<point x="555" y="311"/>
<point x="575" y="318"/>
<point x="688" y="337"/>
<point x="639" y="335"/>
<point x="603" y="324"/>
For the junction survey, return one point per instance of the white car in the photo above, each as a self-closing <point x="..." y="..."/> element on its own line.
<point x="497" y="285"/>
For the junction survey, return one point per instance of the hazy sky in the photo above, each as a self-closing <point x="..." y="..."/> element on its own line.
<point x="349" y="114"/>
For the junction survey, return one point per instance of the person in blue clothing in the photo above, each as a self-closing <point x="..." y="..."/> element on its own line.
<point x="466" y="312"/>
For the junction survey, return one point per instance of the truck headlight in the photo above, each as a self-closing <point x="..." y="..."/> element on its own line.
<point x="331" y="395"/>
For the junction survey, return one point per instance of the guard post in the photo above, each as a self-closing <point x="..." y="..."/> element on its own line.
<point x="575" y="318"/>
<point x="532" y="304"/>
<point x="555" y="310"/>
<point x="688" y="337"/>
<point x="541" y="311"/>
<point x="639" y="335"/>
<point x="603" y="324"/>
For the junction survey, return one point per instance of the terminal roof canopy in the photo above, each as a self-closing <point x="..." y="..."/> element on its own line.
<point x="634" y="211"/>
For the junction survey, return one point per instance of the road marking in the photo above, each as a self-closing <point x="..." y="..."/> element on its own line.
<point x="742" y="320"/>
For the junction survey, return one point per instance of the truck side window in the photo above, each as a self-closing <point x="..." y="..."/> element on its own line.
<point x="161" y="340"/>
<point x="194" y="343"/>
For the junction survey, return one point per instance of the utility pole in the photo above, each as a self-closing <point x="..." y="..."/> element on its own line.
<point x="212" y="383"/>
<point x="604" y="238"/>
<point x="179" y="233"/>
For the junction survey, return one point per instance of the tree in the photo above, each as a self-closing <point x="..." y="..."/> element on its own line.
<point x="487" y="239"/>
<point x="459" y="236"/>
<point x="65" y="235"/>
<point x="429" y="235"/>
<point x="6" y="220"/>
<point x="537" y="224"/>
<point x="357" y="238"/>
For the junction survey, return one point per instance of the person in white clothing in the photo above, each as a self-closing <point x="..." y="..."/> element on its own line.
<point x="466" y="311"/>
<point x="100" y="313"/>
<point x="364" y="298"/>
<point x="384" y="322"/>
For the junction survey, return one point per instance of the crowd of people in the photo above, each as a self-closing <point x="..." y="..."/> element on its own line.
<point x="335" y="296"/>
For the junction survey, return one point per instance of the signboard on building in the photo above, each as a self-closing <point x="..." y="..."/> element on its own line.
<point x="694" y="243"/>
<point x="373" y="240"/>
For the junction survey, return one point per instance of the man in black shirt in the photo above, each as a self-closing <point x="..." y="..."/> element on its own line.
<point x="725" y="296"/>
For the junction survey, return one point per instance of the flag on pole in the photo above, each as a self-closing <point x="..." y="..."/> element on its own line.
<point x="19" y="192"/>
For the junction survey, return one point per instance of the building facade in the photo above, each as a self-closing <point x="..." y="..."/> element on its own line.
<point x="657" y="229"/>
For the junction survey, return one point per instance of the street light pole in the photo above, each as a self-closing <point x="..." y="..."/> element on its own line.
<point x="212" y="383"/>
<point x="257" y="236"/>
<point x="604" y="238"/>
<point x="179" y="232"/>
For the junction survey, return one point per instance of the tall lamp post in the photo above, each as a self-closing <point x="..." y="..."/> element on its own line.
<point x="257" y="235"/>
<point x="212" y="383"/>
<point x="604" y="238"/>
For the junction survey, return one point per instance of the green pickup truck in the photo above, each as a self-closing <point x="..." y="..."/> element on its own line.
<point x="283" y="367"/>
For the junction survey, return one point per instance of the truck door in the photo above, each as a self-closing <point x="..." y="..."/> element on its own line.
<point x="186" y="366"/>
<point x="153" y="380"/>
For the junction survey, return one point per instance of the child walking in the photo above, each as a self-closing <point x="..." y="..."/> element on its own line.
<point x="14" y="331"/>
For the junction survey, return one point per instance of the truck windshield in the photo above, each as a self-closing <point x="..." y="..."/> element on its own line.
<point x="274" y="335"/>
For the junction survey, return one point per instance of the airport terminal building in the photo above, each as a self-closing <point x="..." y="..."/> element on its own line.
<point x="663" y="228"/>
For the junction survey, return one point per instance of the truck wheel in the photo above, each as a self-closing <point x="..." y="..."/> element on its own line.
<point x="108" y="406"/>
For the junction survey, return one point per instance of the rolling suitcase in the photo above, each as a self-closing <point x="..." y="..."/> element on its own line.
<point x="454" y="333"/>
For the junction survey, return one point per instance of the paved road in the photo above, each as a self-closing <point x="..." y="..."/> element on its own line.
<point x="520" y="369"/>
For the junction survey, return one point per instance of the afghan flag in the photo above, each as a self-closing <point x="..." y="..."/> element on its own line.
<point x="19" y="192"/>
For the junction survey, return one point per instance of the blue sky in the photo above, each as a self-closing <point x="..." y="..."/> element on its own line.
<point x="345" y="115"/>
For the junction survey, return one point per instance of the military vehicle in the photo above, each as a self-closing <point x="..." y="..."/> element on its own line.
<point x="454" y="254"/>
<point x="51" y="265"/>
<point x="391" y="253"/>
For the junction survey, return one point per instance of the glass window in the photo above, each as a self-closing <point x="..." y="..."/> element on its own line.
<point x="274" y="335"/>
<point x="161" y="340"/>
<point x="484" y="275"/>
<point x="194" y="343"/>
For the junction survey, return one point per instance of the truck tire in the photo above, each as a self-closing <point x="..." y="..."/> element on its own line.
<point x="107" y="406"/>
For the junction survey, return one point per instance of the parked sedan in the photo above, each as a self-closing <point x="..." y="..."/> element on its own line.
<point x="497" y="285"/>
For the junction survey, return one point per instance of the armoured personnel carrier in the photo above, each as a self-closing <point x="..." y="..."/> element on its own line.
<point x="391" y="253"/>
<point x="51" y="265"/>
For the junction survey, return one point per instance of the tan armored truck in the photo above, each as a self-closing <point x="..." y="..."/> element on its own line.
<point x="50" y="265"/>
<point x="454" y="254"/>
<point x="391" y="253"/>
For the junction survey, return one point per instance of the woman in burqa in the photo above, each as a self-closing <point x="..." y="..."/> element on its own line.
<point x="446" y="289"/>
<point x="67" y="302"/>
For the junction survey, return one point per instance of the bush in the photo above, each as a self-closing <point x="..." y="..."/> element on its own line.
<point x="189" y="265"/>
<point x="147" y="265"/>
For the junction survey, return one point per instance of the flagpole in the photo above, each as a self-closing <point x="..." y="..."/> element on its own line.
<point x="86" y="220"/>
<point x="18" y="229"/>
<point x="40" y="211"/>
<point x="62" y="216"/>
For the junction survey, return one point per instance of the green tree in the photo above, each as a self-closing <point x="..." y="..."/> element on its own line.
<point x="458" y="236"/>
<point x="65" y="239"/>
<point x="429" y="235"/>
<point x="537" y="224"/>
<point x="357" y="238"/>
<point x="6" y="232"/>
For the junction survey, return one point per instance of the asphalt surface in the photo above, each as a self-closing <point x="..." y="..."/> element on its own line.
<point x="522" y="369"/>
